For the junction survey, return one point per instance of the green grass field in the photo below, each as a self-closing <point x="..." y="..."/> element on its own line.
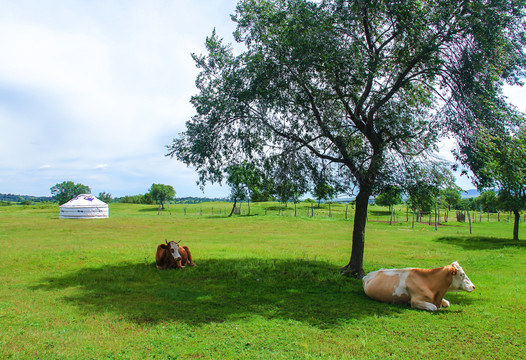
<point x="266" y="287"/>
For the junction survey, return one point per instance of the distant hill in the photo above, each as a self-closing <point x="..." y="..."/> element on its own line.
<point x="20" y="198"/>
<point x="470" y="193"/>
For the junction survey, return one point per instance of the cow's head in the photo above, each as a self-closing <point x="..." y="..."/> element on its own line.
<point x="173" y="248"/>
<point x="460" y="279"/>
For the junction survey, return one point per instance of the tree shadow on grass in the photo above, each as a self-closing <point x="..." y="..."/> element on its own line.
<point x="380" y="213"/>
<point x="219" y="290"/>
<point x="150" y="209"/>
<point x="480" y="242"/>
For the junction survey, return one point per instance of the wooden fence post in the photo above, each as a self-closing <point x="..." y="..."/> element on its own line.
<point x="436" y="217"/>
<point x="469" y="219"/>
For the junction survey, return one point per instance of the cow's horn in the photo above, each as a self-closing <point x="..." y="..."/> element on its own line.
<point x="166" y="241"/>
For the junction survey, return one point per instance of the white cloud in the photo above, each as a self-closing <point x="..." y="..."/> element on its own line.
<point x="101" y="167"/>
<point x="517" y="96"/>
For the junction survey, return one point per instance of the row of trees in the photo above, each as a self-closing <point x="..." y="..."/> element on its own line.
<point x="424" y="201"/>
<point x="157" y="193"/>
<point x="8" y="198"/>
<point x="247" y="182"/>
<point x="426" y="190"/>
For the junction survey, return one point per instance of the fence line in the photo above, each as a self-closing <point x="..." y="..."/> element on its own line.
<point x="344" y="212"/>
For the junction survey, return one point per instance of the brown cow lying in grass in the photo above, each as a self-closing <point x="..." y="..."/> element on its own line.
<point x="422" y="288"/>
<point x="172" y="255"/>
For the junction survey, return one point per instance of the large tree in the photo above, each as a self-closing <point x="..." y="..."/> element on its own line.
<point x="161" y="193"/>
<point x="499" y="161"/>
<point x="362" y="85"/>
<point x="67" y="190"/>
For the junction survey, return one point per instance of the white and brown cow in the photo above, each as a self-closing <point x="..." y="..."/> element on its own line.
<point x="173" y="255"/>
<point x="422" y="288"/>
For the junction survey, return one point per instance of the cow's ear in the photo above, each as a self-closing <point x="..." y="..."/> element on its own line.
<point x="164" y="246"/>
<point x="452" y="270"/>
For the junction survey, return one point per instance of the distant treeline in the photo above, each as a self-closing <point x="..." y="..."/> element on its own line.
<point x="147" y="199"/>
<point x="21" y="198"/>
<point x="130" y="199"/>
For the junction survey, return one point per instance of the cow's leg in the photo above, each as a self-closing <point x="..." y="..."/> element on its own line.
<point x="445" y="303"/>
<point x="423" y="305"/>
<point x="189" y="261"/>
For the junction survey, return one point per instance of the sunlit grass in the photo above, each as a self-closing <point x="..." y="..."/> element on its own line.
<point x="266" y="287"/>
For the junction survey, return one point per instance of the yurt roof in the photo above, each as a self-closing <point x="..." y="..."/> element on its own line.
<point x="84" y="200"/>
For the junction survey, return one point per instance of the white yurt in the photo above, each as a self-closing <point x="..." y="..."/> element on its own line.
<point x="84" y="206"/>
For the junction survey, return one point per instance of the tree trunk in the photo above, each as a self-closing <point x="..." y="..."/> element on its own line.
<point x="233" y="207"/>
<point x="355" y="266"/>
<point x="516" y="225"/>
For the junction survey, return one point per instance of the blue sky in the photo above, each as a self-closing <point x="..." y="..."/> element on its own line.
<point x="92" y="91"/>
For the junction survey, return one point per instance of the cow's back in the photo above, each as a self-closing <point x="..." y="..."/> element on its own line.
<point x="387" y="285"/>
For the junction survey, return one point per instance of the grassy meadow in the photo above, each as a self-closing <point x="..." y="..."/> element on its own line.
<point x="267" y="286"/>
